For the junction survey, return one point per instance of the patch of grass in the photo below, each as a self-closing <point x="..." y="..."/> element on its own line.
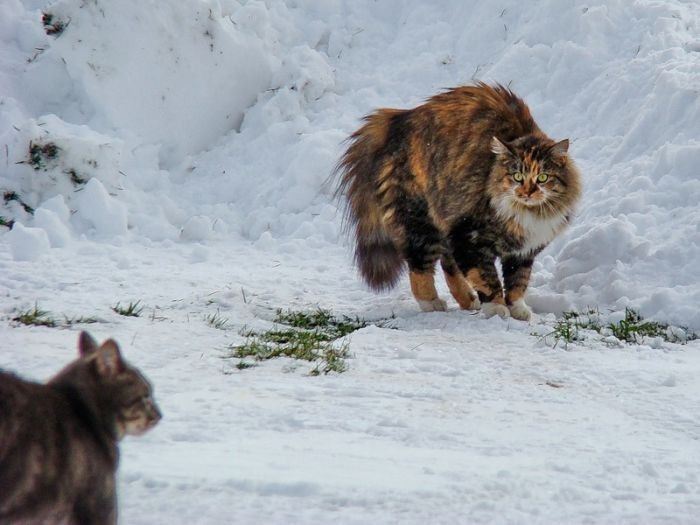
<point x="632" y="329"/>
<point x="7" y="223"/>
<point x="35" y="317"/>
<point x="565" y="331"/>
<point x="306" y="320"/>
<point x="322" y="320"/>
<point x="308" y="336"/>
<point x="40" y="154"/>
<point x="302" y="345"/>
<point x="569" y="328"/>
<point x="52" y="26"/>
<point x="10" y="196"/>
<point x="216" y="321"/>
<point x="332" y="360"/>
<point x="298" y="344"/>
<point x="75" y="178"/>
<point x="70" y="321"/>
<point x="132" y="310"/>
<point x="243" y="365"/>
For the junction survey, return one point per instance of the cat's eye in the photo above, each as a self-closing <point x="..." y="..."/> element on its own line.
<point x="542" y="177"/>
<point x="518" y="177"/>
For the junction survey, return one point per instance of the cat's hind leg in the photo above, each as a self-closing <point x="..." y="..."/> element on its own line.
<point x="423" y="245"/>
<point x="423" y="288"/>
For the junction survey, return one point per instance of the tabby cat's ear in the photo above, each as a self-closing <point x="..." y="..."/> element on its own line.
<point x="109" y="359"/>
<point x="499" y="148"/>
<point x="560" y="148"/>
<point x="86" y="344"/>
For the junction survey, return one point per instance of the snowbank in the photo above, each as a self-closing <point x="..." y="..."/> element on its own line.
<point x="175" y="154"/>
<point x="209" y="119"/>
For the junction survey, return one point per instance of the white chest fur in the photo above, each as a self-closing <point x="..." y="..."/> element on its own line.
<point x="537" y="231"/>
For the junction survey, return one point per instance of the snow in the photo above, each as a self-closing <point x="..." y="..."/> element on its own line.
<point x="194" y="142"/>
<point x="27" y="244"/>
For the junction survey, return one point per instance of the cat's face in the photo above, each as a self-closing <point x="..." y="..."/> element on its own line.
<point x="532" y="174"/>
<point x="137" y="410"/>
<point x="130" y="392"/>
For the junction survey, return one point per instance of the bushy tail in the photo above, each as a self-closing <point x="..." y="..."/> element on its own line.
<point x="362" y="169"/>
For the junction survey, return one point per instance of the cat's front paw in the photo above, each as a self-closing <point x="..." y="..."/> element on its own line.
<point x="491" y="309"/>
<point x="470" y="303"/>
<point x="434" y="305"/>
<point x="476" y="303"/>
<point x="519" y="310"/>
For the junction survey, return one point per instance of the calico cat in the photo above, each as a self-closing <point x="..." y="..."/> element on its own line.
<point x="465" y="178"/>
<point x="58" y="441"/>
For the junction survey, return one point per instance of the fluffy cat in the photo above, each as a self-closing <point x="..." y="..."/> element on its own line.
<point x="466" y="178"/>
<point x="58" y="441"/>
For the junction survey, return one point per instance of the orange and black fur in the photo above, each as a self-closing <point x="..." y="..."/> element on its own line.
<point x="466" y="178"/>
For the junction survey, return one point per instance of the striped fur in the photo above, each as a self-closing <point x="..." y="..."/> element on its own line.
<point x="459" y="179"/>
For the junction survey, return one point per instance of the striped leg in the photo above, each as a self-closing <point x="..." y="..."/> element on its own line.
<point x="459" y="287"/>
<point x="516" y="276"/>
<point x="474" y="253"/>
<point x="422" y="247"/>
<point x="423" y="288"/>
<point x="484" y="279"/>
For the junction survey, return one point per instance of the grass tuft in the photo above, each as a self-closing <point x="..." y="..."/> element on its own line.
<point x="307" y="336"/>
<point x="322" y="320"/>
<point x="633" y="328"/>
<point x="10" y="196"/>
<point x="40" y="154"/>
<point x="572" y="324"/>
<point x="132" y="310"/>
<point x="243" y="365"/>
<point x="52" y="27"/>
<point x="216" y="321"/>
<point x="70" y="321"/>
<point x="75" y="178"/>
<point x="35" y="317"/>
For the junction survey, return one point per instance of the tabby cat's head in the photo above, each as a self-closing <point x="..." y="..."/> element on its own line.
<point x="534" y="174"/>
<point x="128" y="391"/>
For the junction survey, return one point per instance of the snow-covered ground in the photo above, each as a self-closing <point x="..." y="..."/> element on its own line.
<point x="193" y="141"/>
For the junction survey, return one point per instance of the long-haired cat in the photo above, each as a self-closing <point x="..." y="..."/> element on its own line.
<point x="58" y="441"/>
<point x="465" y="178"/>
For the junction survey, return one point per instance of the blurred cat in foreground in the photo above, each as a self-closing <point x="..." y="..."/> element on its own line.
<point x="58" y="441"/>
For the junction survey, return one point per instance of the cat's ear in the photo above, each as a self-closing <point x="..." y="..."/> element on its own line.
<point x="86" y="344"/>
<point x="499" y="148"/>
<point x="109" y="359"/>
<point x="560" y="148"/>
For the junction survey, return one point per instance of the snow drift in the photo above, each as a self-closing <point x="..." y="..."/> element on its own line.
<point x="174" y="154"/>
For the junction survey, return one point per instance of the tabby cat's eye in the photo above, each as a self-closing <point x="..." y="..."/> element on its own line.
<point x="518" y="177"/>
<point x="542" y="177"/>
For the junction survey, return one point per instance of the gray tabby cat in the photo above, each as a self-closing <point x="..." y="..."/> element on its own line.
<point x="58" y="441"/>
